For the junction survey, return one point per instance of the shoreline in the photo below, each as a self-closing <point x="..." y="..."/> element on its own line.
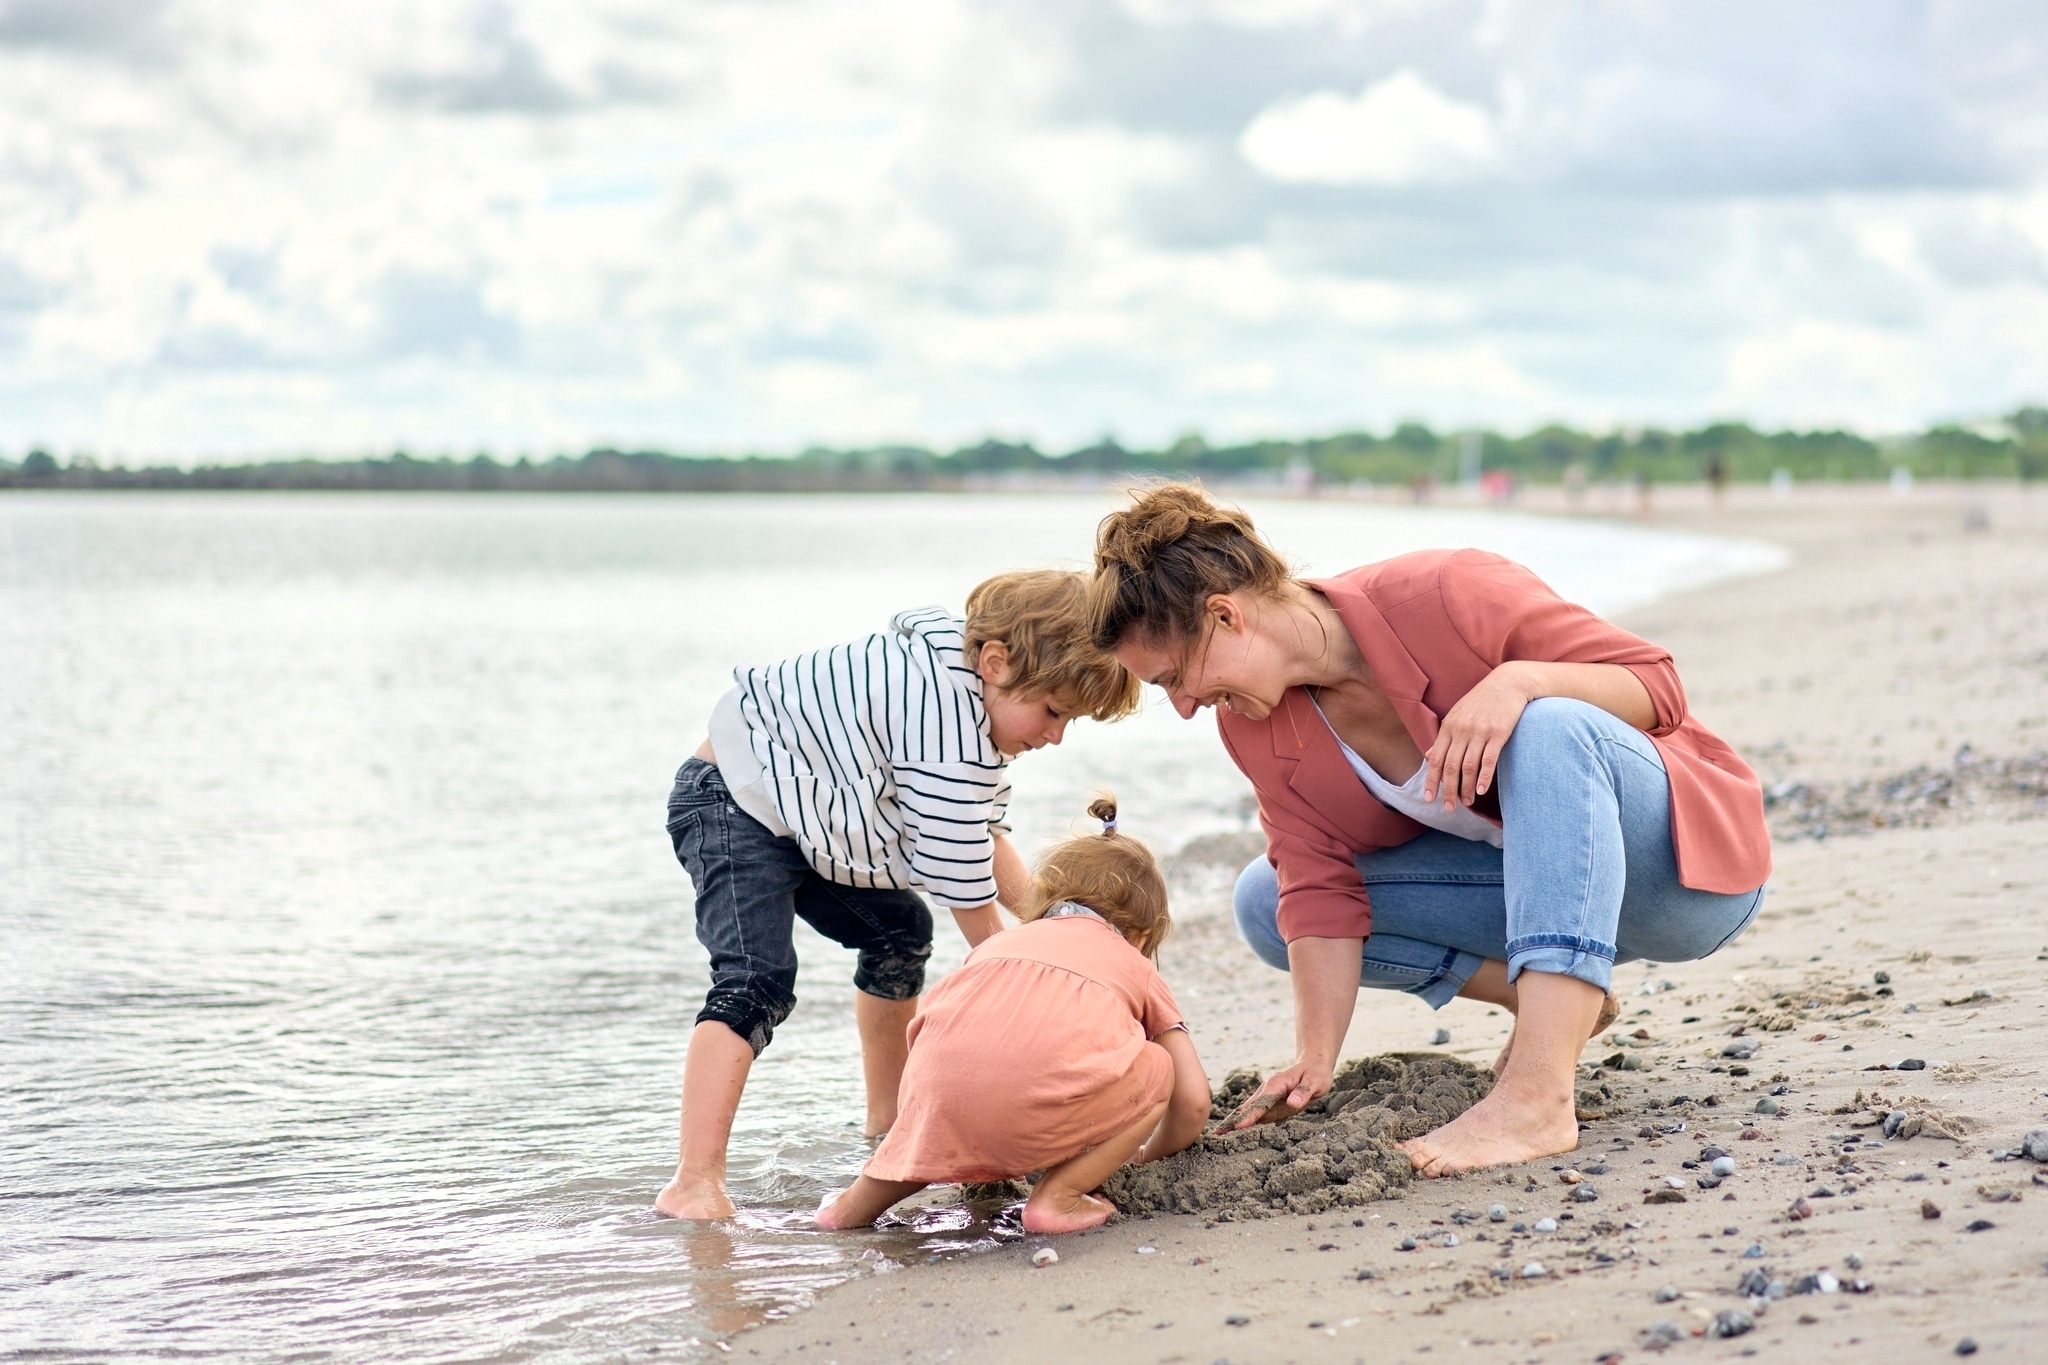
<point x="1898" y="635"/>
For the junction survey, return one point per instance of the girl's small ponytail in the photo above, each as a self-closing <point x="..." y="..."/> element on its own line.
<point x="1103" y="808"/>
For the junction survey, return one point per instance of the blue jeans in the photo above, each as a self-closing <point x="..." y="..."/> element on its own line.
<point x="753" y="886"/>
<point x="1587" y="878"/>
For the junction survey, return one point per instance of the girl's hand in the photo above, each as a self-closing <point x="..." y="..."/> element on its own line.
<point x="1459" y="765"/>
<point x="1285" y="1094"/>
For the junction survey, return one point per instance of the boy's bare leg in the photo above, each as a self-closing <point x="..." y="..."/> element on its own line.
<point x="883" y="1050"/>
<point x="864" y="1201"/>
<point x="1062" y="1202"/>
<point x="714" y="1075"/>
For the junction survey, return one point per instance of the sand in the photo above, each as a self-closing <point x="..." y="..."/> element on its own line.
<point x="1865" y="1055"/>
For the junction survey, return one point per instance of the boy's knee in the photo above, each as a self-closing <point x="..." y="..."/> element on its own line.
<point x="751" y="1009"/>
<point x="891" y="975"/>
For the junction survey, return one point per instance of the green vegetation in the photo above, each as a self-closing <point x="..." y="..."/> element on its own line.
<point x="2017" y="447"/>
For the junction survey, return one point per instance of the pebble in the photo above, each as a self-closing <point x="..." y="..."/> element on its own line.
<point x="1967" y="1346"/>
<point x="1730" y="1322"/>
<point x="1044" y="1257"/>
<point x="1929" y="1209"/>
<point x="1405" y="1244"/>
<point x="1597" y="1168"/>
<point x="1662" y="1334"/>
<point x="1534" y="1271"/>
<point x="1754" y="1282"/>
<point x="1450" y="1240"/>
<point x="1912" y="1064"/>
<point x="1892" y="1122"/>
<point x="1742" y="1049"/>
<point x="1519" y="1227"/>
<point x="1546" y="1225"/>
<point x="1801" y="1210"/>
<point x="1443" y="1035"/>
<point x="1767" y="1105"/>
<point x="1853" y="1260"/>
<point x="1668" y="1293"/>
<point x="2035" y="1145"/>
<point x="1754" y="1252"/>
<point x="1787" y="1161"/>
<point x="1237" y="1320"/>
<point x="1884" y="978"/>
<point x="1498" y="1213"/>
<point x="1723" y="1167"/>
<point x="1979" y="1225"/>
<point x="1674" y="1182"/>
<point x="1148" y="1251"/>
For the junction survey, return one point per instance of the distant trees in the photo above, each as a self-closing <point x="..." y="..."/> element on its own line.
<point x="2016" y="447"/>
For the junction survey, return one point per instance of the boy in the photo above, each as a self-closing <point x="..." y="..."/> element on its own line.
<point x="834" y="787"/>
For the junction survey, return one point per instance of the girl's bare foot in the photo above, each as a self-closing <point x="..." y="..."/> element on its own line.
<point x="1053" y="1211"/>
<point x="1511" y="1124"/>
<point x="694" y="1197"/>
<point x="861" y="1203"/>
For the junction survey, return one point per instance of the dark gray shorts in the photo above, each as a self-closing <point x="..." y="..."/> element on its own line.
<point x="752" y="887"/>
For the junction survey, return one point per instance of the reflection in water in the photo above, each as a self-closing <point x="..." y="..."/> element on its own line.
<point x="348" y="969"/>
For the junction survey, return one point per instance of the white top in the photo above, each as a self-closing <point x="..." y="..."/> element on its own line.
<point x="877" y="759"/>
<point x="1462" y="821"/>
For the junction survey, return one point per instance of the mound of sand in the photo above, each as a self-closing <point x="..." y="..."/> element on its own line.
<point x="1337" y="1153"/>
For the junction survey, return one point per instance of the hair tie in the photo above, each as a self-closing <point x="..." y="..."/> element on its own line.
<point x="1109" y="824"/>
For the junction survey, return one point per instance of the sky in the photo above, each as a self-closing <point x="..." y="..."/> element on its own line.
<point x="531" y="226"/>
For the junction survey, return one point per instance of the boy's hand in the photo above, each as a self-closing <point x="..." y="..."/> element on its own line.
<point x="978" y="924"/>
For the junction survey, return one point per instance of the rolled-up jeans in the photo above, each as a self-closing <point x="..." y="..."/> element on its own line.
<point x="1587" y="877"/>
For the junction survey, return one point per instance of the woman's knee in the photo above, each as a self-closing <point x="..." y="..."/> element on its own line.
<point x="1255" y="902"/>
<point x="1700" y="931"/>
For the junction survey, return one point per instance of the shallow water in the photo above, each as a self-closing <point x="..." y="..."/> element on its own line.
<point x="347" y="968"/>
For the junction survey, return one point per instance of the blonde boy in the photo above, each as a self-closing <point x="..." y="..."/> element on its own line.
<point x="838" y="785"/>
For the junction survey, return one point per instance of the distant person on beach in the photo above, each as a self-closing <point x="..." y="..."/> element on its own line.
<point x="1056" y="1048"/>
<point x="1469" y="786"/>
<point x="837" y="785"/>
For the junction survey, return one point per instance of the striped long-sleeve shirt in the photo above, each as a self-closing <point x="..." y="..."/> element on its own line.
<point x="878" y="757"/>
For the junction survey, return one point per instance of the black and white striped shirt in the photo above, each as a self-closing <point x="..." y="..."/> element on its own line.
<point x="877" y="755"/>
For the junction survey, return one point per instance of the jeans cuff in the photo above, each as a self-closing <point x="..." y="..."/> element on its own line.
<point x="1450" y="978"/>
<point x="1595" y="969"/>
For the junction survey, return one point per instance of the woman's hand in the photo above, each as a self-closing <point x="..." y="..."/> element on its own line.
<point x="1459" y="765"/>
<point x="1285" y="1094"/>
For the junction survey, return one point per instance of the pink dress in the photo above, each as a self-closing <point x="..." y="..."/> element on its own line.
<point x="1039" y="1048"/>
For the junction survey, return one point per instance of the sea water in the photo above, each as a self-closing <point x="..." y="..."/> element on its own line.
<point x="345" y="969"/>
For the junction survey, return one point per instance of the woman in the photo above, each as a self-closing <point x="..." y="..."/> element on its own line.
<point x="1469" y="786"/>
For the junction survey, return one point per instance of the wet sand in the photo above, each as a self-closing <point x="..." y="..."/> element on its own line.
<point x="1851" y="680"/>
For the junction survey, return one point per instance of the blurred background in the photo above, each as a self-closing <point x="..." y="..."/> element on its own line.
<point x="536" y="228"/>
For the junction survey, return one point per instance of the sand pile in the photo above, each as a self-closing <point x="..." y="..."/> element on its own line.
<point x="1337" y="1153"/>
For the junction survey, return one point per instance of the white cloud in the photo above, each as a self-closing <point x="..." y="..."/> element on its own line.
<point x="1398" y="131"/>
<point x="538" y="224"/>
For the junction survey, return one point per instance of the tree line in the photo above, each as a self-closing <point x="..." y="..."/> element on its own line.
<point x="2015" y="447"/>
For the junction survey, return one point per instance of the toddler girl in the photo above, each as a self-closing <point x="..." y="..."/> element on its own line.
<point x="1056" y="1048"/>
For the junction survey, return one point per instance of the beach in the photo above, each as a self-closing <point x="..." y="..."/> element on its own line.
<point x="1889" y="686"/>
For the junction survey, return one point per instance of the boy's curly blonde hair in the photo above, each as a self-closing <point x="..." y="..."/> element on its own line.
<point x="1112" y="874"/>
<point x="1041" y="617"/>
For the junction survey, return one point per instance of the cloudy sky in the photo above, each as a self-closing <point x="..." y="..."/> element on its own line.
<point x="533" y="225"/>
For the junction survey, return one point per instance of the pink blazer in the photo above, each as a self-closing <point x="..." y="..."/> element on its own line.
<point x="1431" y="625"/>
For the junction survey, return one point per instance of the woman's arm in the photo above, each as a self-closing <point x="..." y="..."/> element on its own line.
<point x="1461" y="761"/>
<point x="1188" y="1109"/>
<point x="1325" y="974"/>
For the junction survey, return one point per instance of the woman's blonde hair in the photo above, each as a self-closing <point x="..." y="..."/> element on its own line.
<point x="1041" y="617"/>
<point x="1112" y="874"/>
<point x="1160" y="560"/>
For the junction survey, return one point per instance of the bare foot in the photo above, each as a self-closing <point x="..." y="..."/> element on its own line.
<point x="834" y="1216"/>
<point x="1610" y="1010"/>
<point x="694" y="1197"/>
<point x="1056" y="1211"/>
<point x="1513" y="1123"/>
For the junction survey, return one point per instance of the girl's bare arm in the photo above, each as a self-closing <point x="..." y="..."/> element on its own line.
<point x="1187" y="1110"/>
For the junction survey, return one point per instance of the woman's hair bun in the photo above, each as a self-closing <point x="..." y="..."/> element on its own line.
<point x="1160" y="560"/>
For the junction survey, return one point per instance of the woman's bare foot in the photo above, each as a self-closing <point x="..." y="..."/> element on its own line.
<point x="1053" y="1211"/>
<point x="1610" y="1010"/>
<point x="694" y="1197"/>
<point x="1511" y="1124"/>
